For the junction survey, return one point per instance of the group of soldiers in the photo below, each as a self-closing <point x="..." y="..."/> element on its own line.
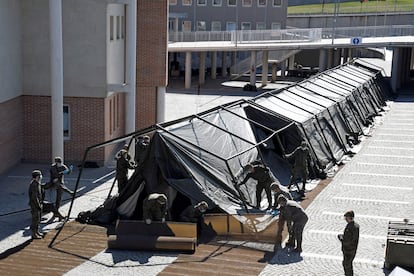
<point x="37" y="202"/>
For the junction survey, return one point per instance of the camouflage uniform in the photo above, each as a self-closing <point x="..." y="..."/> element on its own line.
<point x="35" y="203"/>
<point x="262" y="175"/>
<point x="300" y="168"/>
<point x="349" y="246"/>
<point x="154" y="207"/>
<point x="123" y="163"/>
<point x="293" y="212"/>
<point x="57" y="181"/>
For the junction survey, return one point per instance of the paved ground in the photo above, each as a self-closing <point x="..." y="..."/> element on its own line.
<point x="377" y="184"/>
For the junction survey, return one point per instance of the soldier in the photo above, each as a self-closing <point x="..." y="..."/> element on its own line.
<point x="349" y="240"/>
<point x="35" y="203"/>
<point x="123" y="163"/>
<point x="154" y="208"/>
<point x="57" y="170"/>
<point x="262" y="175"/>
<point x="195" y="214"/>
<point x="141" y="149"/>
<point x="300" y="169"/>
<point x="291" y="211"/>
<point x="279" y="189"/>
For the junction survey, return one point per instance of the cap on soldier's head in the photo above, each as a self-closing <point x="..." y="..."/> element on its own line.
<point x="281" y="198"/>
<point x="303" y="144"/>
<point x="349" y="214"/>
<point x="36" y="173"/>
<point x="162" y="199"/>
<point x="58" y="159"/>
<point x="202" y="204"/>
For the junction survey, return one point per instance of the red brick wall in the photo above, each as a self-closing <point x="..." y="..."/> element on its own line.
<point x="114" y="121"/>
<point x="11" y="127"/>
<point x="151" y="57"/>
<point x="86" y="128"/>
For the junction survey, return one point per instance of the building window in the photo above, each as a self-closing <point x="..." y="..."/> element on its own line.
<point x="201" y="26"/>
<point x="66" y="122"/>
<point x="247" y="3"/>
<point x="217" y="3"/>
<point x="246" y="26"/>
<point x="118" y="27"/>
<point x="172" y="2"/>
<point x="231" y="3"/>
<point x="186" y="26"/>
<point x="216" y="26"/>
<point x="111" y="28"/>
<point x="277" y="3"/>
<point x="261" y="3"/>
<point x="276" y="26"/>
<point x="260" y="26"/>
<point x="187" y="2"/>
<point x="122" y="27"/>
<point x="231" y="26"/>
<point x="201" y="2"/>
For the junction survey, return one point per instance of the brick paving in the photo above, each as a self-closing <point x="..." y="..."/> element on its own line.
<point x="377" y="184"/>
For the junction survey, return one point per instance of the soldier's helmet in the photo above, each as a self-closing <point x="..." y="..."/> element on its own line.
<point x="162" y="199"/>
<point x="281" y="198"/>
<point x="274" y="186"/>
<point x="349" y="214"/>
<point x="58" y="159"/>
<point x="36" y="173"/>
<point x="304" y="144"/>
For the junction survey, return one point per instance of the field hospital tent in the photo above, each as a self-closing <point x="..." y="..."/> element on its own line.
<point x="201" y="157"/>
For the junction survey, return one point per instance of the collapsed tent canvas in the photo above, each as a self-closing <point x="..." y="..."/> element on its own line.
<point x="201" y="157"/>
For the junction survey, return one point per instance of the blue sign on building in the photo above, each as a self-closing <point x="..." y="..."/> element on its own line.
<point x="356" y="40"/>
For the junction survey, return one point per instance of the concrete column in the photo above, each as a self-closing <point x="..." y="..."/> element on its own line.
<point x="330" y="59"/>
<point x="131" y="66"/>
<point x="213" y="65"/>
<point x="291" y="62"/>
<point x="283" y="68"/>
<point x="274" y="71"/>
<point x="202" y="68"/>
<point x="345" y="55"/>
<point x="395" y="69"/>
<point x="187" y="70"/>
<point x="56" y="76"/>
<point x="350" y="54"/>
<point x="161" y="104"/>
<point x="322" y="60"/>
<point x="223" y="64"/>
<point x="253" y="68"/>
<point x="265" y="66"/>
<point x="233" y="59"/>
<point x="336" y="57"/>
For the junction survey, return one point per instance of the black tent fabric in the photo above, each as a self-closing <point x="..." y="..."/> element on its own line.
<point x="201" y="157"/>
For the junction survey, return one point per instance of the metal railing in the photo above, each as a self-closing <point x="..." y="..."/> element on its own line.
<point x="247" y="36"/>
<point x="362" y="9"/>
<point x="291" y="35"/>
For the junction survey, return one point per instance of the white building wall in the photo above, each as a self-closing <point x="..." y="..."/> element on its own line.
<point x="84" y="48"/>
<point x="10" y="50"/>
<point x="115" y="43"/>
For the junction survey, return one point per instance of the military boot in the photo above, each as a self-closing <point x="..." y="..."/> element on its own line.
<point x="35" y="235"/>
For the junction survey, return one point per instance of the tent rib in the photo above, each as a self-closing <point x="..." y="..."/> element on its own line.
<point x="283" y="100"/>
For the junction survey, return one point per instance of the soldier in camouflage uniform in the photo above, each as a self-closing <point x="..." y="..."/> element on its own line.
<point x="195" y="214"/>
<point x="300" y="169"/>
<point x="154" y="208"/>
<point x="349" y="242"/>
<point x="291" y="211"/>
<point x="57" y="170"/>
<point x="262" y="175"/>
<point x="35" y="203"/>
<point x="124" y="162"/>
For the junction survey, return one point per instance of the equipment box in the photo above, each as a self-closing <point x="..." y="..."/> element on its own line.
<point x="400" y="244"/>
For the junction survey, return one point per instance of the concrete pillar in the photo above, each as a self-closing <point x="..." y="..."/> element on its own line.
<point x="213" y="65"/>
<point x="330" y="58"/>
<point x="253" y="68"/>
<point x="336" y="57"/>
<point x="187" y="70"/>
<point x="350" y="54"/>
<point x="223" y="64"/>
<point x="274" y="71"/>
<point x="322" y="60"/>
<point x="56" y="76"/>
<point x="233" y="59"/>
<point x="265" y="66"/>
<point x="291" y="62"/>
<point x="395" y="69"/>
<point x="202" y="68"/>
<point x="345" y="55"/>
<point x="161" y="104"/>
<point x="282" y="69"/>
